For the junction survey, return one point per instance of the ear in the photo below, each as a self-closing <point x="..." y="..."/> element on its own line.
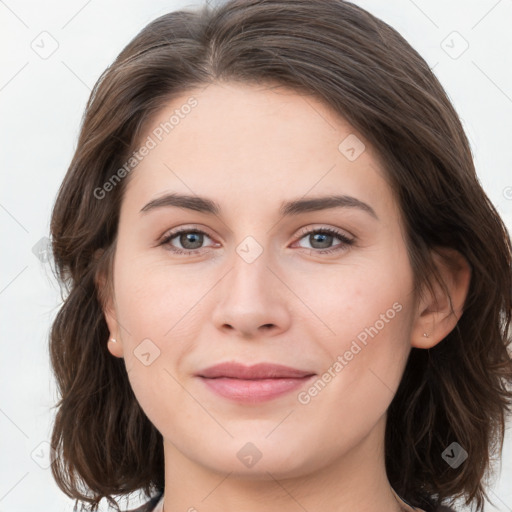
<point x="434" y="315"/>
<point x="106" y="297"/>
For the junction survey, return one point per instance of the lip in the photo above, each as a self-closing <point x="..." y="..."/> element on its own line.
<point x="253" y="384"/>
<point x="258" y="371"/>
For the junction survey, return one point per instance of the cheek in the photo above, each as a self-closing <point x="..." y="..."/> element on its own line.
<point x="367" y="312"/>
<point x="157" y="327"/>
<point x="152" y="300"/>
<point x="158" y="308"/>
<point x="370" y="313"/>
<point x="351" y="298"/>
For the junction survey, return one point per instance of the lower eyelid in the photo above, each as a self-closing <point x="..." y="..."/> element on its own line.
<point x="340" y="246"/>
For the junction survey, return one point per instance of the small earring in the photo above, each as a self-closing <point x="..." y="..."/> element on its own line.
<point x="113" y="340"/>
<point x="426" y="335"/>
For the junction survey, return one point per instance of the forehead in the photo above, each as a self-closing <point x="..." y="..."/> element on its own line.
<point x="250" y="146"/>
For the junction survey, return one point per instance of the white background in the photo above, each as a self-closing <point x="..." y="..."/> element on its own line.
<point x="41" y="102"/>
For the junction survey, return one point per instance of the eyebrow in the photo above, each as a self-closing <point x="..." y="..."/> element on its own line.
<point x="288" y="208"/>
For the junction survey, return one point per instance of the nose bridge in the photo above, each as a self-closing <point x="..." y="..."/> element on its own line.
<point x="250" y="263"/>
<point x="249" y="297"/>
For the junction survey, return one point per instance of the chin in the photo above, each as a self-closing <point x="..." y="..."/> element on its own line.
<point x="253" y="460"/>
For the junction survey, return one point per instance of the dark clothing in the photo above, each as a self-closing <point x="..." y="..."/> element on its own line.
<point x="153" y="502"/>
<point x="149" y="506"/>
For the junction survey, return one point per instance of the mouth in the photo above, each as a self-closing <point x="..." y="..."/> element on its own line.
<point x="235" y="370"/>
<point x="253" y="384"/>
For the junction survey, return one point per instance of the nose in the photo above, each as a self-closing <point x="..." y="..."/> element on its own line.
<point x="251" y="299"/>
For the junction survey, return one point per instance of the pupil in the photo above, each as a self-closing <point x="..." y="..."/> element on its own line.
<point x="189" y="238"/>
<point x="326" y="239"/>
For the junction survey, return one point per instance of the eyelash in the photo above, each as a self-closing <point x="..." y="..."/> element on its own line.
<point x="329" y="231"/>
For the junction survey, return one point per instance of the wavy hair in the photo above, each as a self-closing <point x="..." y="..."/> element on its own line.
<point x="366" y="72"/>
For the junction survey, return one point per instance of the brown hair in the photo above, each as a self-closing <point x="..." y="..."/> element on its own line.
<point x="365" y="71"/>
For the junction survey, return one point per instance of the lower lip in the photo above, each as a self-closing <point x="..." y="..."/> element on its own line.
<point x="260" y="390"/>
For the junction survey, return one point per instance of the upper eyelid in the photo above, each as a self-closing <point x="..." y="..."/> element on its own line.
<point x="177" y="231"/>
<point x="314" y="228"/>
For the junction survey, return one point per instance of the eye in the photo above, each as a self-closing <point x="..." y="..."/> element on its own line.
<point x="322" y="238"/>
<point x="192" y="239"/>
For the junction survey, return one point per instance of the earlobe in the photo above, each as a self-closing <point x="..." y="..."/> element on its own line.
<point x="106" y="300"/>
<point x="439" y="312"/>
<point x="114" y="344"/>
<point x="115" y="347"/>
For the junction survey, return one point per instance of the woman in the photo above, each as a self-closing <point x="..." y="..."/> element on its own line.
<point x="287" y="288"/>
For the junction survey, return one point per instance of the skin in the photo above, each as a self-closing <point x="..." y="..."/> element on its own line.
<point x="249" y="148"/>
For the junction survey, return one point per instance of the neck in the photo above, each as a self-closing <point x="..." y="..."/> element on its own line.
<point x="356" y="480"/>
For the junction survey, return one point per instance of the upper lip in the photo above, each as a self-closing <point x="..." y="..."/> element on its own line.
<point x="257" y="371"/>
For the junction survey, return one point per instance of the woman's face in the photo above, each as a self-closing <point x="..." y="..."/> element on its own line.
<point x="261" y="282"/>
